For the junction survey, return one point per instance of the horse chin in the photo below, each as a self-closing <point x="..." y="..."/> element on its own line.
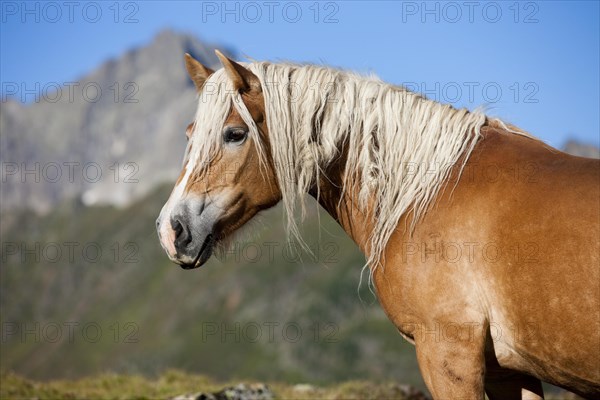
<point x="203" y="255"/>
<point x="223" y="233"/>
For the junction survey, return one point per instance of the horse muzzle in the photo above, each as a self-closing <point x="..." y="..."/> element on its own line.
<point x="187" y="233"/>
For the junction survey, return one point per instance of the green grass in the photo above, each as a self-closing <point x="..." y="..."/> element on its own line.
<point x="173" y="383"/>
<point x="170" y="307"/>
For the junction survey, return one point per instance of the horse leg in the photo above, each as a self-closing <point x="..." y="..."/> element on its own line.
<point x="512" y="386"/>
<point x="452" y="369"/>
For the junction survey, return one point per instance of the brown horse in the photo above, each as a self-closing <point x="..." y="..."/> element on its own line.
<point x="483" y="243"/>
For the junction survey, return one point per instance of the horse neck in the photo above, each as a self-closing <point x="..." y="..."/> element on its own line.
<point x="343" y="205"/>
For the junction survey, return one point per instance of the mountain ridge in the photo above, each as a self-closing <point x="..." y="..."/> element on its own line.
<point x="112" y="121"/>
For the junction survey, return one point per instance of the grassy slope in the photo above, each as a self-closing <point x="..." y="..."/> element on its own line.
<point x="169" y="310"/>
<point x="173" y="383"/>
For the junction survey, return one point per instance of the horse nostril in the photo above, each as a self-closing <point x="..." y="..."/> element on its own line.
<point x="182" y="233"/>
<point x="177" y="227"/>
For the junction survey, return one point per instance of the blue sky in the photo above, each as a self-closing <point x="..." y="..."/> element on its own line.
<point x="535" y="64"/>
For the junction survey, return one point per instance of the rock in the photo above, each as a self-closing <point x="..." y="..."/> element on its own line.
<point x="304" y="388"/>
<point x="242" y="391"/>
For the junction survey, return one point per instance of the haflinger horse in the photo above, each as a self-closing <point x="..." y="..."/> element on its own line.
<point x="482" y="242"/>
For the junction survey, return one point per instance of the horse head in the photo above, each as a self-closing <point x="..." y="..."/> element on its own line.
<point x="226" y="178"/>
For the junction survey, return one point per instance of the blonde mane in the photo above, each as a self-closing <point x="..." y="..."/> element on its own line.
<point x="400" y="146"/>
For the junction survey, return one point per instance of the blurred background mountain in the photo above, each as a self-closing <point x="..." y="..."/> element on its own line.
<point x="86" y="288"/>
<point x="144" y="102"/>
<point x="581" y="149"/>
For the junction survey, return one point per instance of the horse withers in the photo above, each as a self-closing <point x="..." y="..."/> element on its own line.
<point x="482" y="242"/>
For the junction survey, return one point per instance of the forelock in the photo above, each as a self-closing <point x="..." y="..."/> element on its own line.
<point x="215" y="102"/>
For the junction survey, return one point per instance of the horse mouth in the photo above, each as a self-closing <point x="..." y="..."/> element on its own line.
<point x="204" y="253"/>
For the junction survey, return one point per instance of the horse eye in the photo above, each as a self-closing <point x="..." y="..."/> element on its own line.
<point x="235" y="135"/>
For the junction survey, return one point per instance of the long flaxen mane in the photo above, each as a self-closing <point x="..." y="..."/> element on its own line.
<point x="400" y="146"/>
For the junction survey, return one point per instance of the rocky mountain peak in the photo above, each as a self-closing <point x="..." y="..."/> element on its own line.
<point x="98" y="140"/>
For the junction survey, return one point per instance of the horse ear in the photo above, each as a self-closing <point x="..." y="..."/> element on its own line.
<point x="197" y="72"/>
<point x="243" y="79"/>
